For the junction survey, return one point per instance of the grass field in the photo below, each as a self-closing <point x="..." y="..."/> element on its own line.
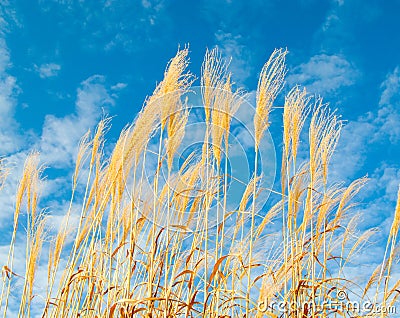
<point x="157" y="239"/>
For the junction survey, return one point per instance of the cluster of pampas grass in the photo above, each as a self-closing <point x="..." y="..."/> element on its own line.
<point x="143" y="247"/>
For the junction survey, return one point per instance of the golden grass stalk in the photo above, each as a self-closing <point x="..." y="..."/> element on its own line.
<point x="214" y="72"/>
<point x="33" y="250"/>
<point x="391" y="251"/>
<point x="28" y="190"/>
<point x="270" y="83"/>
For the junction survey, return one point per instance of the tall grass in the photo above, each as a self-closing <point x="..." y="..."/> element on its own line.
<point x="145" y="245"/>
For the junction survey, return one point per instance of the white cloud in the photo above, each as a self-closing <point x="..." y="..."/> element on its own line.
<point x="387" y="121"/>
<point x="48" y="70"/>
<point x="372" y="129"/>
<point x="156" y="5"/>
<point x="387" y="118"/>
<point x="389" y="180"/>
<point x="57" y="144"/>
<point x="119" y="86"/>
<point x="124" y="25"/>
<point x="324" y="74"/>
<point x="230" y="47"/>
<point x="330" y="21"/>
<point x="350" y="154"/>
<point x="9" y="138"/>
<point x="379" y="200"/>
<point x="391" y="87"/>
<point x="8" y="17"/>
<point x="60" y="136"/>
<point x="4" y="56"/>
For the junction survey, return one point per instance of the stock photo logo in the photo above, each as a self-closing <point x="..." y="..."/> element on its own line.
<point x="340" y="302"/>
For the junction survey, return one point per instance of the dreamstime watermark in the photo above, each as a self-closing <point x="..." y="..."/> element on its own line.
<point x="341" y="303"/>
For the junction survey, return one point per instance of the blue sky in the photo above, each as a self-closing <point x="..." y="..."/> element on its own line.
<point x="63" y="64"/>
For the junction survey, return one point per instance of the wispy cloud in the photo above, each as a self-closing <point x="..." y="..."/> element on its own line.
<point x="48" y="70"/>
<point x="351" y="152"/>
<point x="231" y="47"/>
<point x="119" y="86"/>
<point x="388" y="116"/>
<point x="8" y="17"/>
<point x="389" y="180"/>
<point x="379" y="199"/>
<point x="125" y="25"/>
<point x="156" y="5"/>
<point x="60" y="136"/>
<point x="57" y="144"/>
<point x="339" y="30"/>
<point x="391" y="88"/>
<point x="370" y="131"/>
<point x="324" y="74"/>
<point x="10" y="141"/>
